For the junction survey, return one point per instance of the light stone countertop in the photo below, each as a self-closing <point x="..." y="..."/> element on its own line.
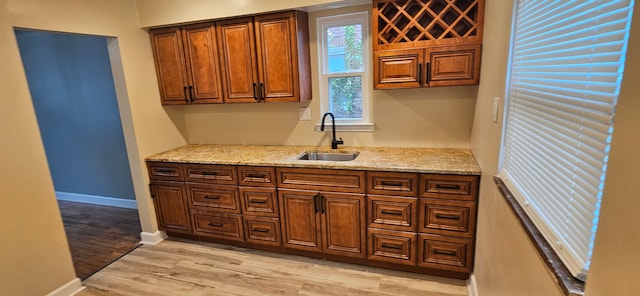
<point x="419" y="160"/>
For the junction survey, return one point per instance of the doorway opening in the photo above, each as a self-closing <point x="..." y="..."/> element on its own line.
<point x="72" y="88"/>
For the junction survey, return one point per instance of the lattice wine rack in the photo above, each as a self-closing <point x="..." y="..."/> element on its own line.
<point x="427" y="22"/>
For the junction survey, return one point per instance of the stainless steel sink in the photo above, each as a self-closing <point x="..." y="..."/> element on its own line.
<point x="329" y="156"/>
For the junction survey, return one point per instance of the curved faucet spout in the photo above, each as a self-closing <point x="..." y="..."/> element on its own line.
<point x="334" y="142"/>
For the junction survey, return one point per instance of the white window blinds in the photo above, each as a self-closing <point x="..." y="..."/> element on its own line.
<point x="567" y="61"/>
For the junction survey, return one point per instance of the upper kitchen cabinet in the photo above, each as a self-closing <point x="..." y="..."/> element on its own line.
<point x="187" y="64"/>
<point x="427" y="43"/>
<point x="265" y="58"/>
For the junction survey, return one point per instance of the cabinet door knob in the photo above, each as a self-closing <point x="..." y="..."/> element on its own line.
<point x="184" y="90"/>
<point x="261" y="92"/>
<point x="427" y="75"/>
<point x="258" y="201"/>
<point x="388" y="212"/>
<point x="391" y="246"/>
<point x="317" y="202"/>
<point x="255" y="95"/>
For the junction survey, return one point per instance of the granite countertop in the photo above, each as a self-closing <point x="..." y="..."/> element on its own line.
<point x="419" y="160"/>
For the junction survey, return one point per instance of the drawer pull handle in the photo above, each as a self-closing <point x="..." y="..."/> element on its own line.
<point x="445" y="252"/>
<point x="392" y="246"/>
<point x="256" y="176"/>
<point x="165" y="171"/>
<point x="396" y="213"/>
<point x="215" y="224"/>
<point x="448" y="186"/>
<point x="209" y="173"/>
<point x="263" y="230"/>
<point x="445" y="216"/>
<point x="391" y="183"/>
<point x="211" y="197"/>
<point x="258" y="201"/>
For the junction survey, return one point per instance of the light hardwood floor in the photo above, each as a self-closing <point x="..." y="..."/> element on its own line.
<point x="177" y="267"/>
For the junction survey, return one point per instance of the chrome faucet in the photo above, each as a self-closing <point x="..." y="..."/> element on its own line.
<point x="334" y="142"/>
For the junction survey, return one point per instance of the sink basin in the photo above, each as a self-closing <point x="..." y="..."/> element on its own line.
<point x="329" y="156"/>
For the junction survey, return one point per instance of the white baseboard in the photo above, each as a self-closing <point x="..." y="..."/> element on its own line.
<point x="472" y="286"/>
<point x="97" y="200"/>
<point x="149" y="238"/>
<point x="72" y="287"/>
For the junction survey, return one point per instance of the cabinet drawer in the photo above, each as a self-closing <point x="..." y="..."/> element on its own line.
<point x="214" y="174"/>
<point x="448" y="217"/>
<point x="392" y="246"/>
<point x="168" y="171"/>
<point x="449" y="186"/>
<point x="218" y="225"/>
<point x="390" y="212"/>
<point x="321" y="179"/>
<point x="388" y="183"/>
<point x="259" y="201"/>
<point x="256" y="176"/>
<point x="447" y="253"/>
<point x="213" y="197"/>
<point x="262" y="230"/>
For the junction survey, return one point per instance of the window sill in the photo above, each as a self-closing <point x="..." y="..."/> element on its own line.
<point x="569" y="284"/>
<point x="349" y="127"/>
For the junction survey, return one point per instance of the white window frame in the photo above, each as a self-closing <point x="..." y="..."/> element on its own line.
<point x="322" y="23"/>
<point x="536" y="176"/>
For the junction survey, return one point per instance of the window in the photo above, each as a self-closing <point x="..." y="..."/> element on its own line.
<point x="343" y="63"/>
<point x="566" y="65"/>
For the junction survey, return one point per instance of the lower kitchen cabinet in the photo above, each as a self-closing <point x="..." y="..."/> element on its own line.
<point x="262" y="230"/>
<point x="217" y="225"/>
<point x="331" y="223"/>
<point x="343" y="224"/>
<point x="170" y="201"/>
<point x="415" y="222"/>
<point x="446" y="253"/>
<point x="300" y="220"/>
<point x="392" y="246"/>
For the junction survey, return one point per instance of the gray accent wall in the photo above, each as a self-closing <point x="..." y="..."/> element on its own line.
<point x="73" y="94"/>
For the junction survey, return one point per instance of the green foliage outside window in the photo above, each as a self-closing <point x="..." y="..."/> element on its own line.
<point x="346" y="92"/>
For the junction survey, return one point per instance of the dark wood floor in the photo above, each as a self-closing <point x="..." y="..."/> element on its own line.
<point x="98" y="235"/>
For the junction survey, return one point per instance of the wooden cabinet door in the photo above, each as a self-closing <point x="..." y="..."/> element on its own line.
<point x="170" y="65"/>
<point x="300" y="219"/>
<point x="202" y="63"/>
<point x="343" y="224"/>
<point x="237" y="54"/>
<point x="399" y="69"/>
<point x="276" y="51"/>
<point x="170" y="202"/>
<point x="453" y="65"/>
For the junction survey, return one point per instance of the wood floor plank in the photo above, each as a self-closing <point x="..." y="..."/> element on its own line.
<point x="98" y="234"/>
<point x="182" y="267"/>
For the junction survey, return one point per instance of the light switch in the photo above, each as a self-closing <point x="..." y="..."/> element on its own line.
<point x="304" y="113"/>
<point x="495" y="109"/>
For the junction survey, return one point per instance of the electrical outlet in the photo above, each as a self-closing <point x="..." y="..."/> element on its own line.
<point x="304" y="113"/>
<point x="495" y="109"/>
